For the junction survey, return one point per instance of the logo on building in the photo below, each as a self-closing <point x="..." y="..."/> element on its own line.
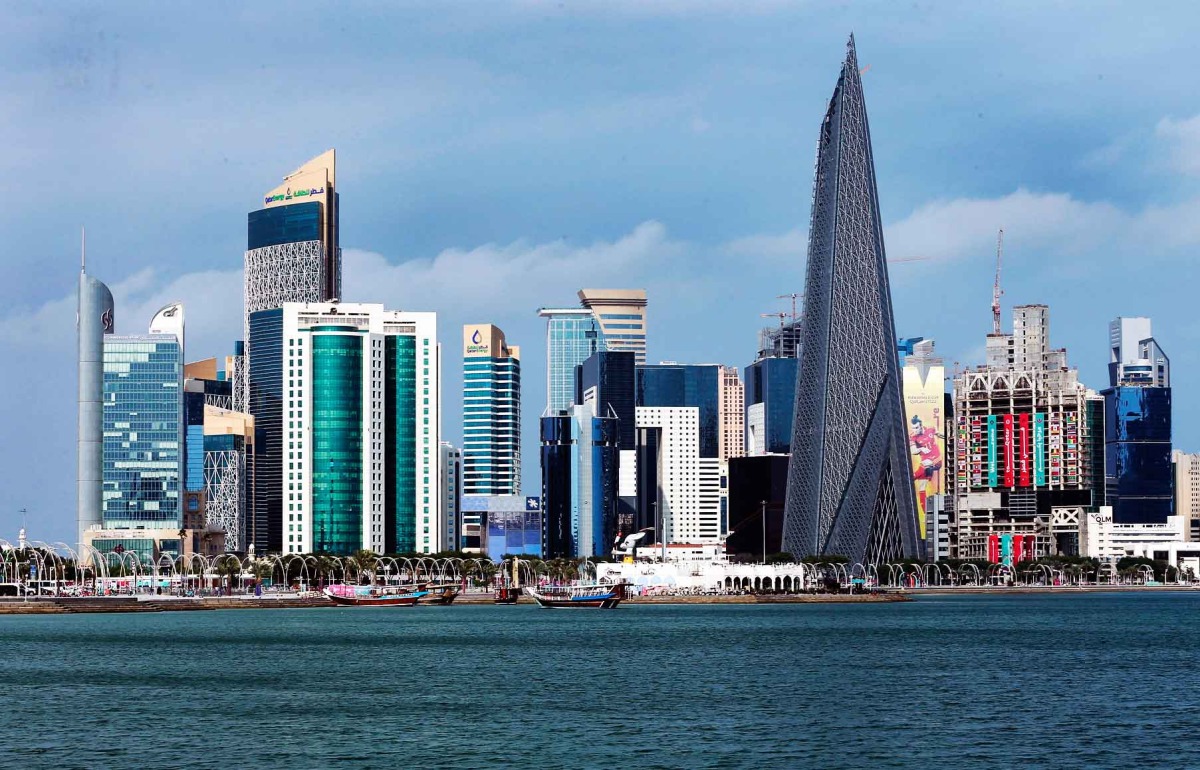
<point x="533" y="503"/>
<point x="106" y="320"/>
<point x="476" y="337"/>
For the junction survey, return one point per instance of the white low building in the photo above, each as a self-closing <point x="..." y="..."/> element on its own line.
<point x="704" y="576"/>
<point x="1108" y="541"/>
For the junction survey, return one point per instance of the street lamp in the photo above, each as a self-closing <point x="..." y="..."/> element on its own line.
<point x="764" y="531"/>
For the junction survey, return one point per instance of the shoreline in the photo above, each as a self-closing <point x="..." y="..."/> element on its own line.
<point x="126" y="604"/>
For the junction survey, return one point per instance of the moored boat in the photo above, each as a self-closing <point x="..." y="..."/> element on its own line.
<point x="507" y="595"/>
<point x="595" y="595"/>
<point x="373" y="596"/>
<point x="442" y="595"/>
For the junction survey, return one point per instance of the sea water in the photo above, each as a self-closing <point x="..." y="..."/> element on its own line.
<point x="1066" y="680"/>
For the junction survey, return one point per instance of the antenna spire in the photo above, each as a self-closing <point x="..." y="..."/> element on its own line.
<point x="996" y="290"/>
<point x="82" y="249"/>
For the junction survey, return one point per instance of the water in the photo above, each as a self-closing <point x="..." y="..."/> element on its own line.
<point x="1080" y="680"/>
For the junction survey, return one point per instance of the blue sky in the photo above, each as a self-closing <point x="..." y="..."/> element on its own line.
<point x="495" y="157"/>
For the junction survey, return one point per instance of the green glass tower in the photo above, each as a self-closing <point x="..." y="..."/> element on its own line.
<point x="400" y="441"/>
<point x="337" y="439"/>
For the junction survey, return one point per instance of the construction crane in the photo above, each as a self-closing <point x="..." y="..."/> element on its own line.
<point x="996" y="291"/>
<point x="780" y="316"/>
<point x="793" y="297"/>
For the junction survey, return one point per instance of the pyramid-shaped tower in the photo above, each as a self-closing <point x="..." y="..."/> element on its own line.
<point x="849" y="490"/>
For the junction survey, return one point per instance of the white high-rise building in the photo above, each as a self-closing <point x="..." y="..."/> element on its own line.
<point x="360" y="421"/>
<point x="690" y="498"/>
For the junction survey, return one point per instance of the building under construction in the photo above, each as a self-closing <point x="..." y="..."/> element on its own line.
<point x="1028" y="447"/>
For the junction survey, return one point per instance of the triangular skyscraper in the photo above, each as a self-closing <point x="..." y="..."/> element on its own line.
<point x="849" y="490"/>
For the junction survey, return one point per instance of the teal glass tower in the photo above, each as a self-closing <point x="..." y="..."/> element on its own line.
<point x="491" y="412"/>
<point x="337" y="439"/>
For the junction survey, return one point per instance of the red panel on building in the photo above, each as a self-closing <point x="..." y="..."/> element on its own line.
<point x="994" y="548"/>
<point x="1009" y="474"/>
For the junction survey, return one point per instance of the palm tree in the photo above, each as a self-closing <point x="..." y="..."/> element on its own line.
<point x="229" y="567"/>
<point x="364" y="560"/>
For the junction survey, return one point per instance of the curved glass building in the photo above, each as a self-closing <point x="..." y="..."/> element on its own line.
<point x="337" y="438"/>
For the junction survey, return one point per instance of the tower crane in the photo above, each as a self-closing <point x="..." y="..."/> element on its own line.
<point x="996" y="291"/>
<point x="793" y="297"/>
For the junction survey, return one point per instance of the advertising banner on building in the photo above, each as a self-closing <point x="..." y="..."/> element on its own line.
<point x="1023" y="476"/>
<point x="993" y="479"/>
<point x="925" y="406"/>
<point x="1039" y="449"/>
<point x="1009" y="473"/>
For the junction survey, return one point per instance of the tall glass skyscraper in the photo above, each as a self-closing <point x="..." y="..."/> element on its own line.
<point x="621" y="314"/>
<point x="292" y="248"/>
<point x="572" y="335"/>
<point x="143" y="432"/>
<point x="848" y="489"/>
<point x="1138" y="476"/>
<point x="293" y="254"/>
<point x="491" y="450"/>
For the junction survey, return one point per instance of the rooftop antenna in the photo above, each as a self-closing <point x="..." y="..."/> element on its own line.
<point x="82" y="249"/>
<point x="996" y="292"/>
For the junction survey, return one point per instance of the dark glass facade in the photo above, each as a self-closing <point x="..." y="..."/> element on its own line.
<point x="605" y="467"/>
<point x="283" y="224"/>
<point x="558" y="448"/>
<point x="512" y="523"/>
<point x="337" y="440"/>
<point x="753" y="480"/>
<point x="685" y="385"/>
<point x="1138" y="474"/>
<point x="400" y="443"/>
<point x="265" y="525"/>
<point x="611" y="373"/>
<point x="772" y="383"/>
<point x="649" y="470"/>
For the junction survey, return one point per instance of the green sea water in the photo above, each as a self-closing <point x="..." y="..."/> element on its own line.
<point x="1055" y="681"/>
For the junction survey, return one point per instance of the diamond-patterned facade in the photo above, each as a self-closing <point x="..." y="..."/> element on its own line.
<point x="847" y="491"/>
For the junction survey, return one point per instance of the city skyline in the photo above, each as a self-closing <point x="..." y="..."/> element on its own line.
<point x="1078" y="210"/>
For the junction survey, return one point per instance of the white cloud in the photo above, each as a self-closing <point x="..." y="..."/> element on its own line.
<point x="790" y="245"/>
<point x="1183" y="139"/>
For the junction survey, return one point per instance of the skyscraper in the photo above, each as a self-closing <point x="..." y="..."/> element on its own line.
<point x="1028" y="448"/>
<point x="95" y="321"/>
<point x="144" y="426"/>
<point x="292" y="255"/>
<point x="680" y="487"/>
<point x="572" y="335"/>
<point x="848" y="489"/>
<point x="491" y="452"/>
<point x="609" y="319"/>
<point x="1137" y="426"/>
<point x="292" y="248"/>
<point x="622" y="317"/>
<point x="731" y="410"/>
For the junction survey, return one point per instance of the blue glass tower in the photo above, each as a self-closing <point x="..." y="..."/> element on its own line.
<point x="1139" y="478"/>
<point x="143" y="432"/>
<point x="770" y="400"/>
<point x="572" y="334"/>
<point x="608" y="377"/>
<point x="848" y="490"/>
<point x="685" y="385"/>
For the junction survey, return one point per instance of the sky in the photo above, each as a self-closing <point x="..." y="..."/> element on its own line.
<point x="495" y="157"/>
